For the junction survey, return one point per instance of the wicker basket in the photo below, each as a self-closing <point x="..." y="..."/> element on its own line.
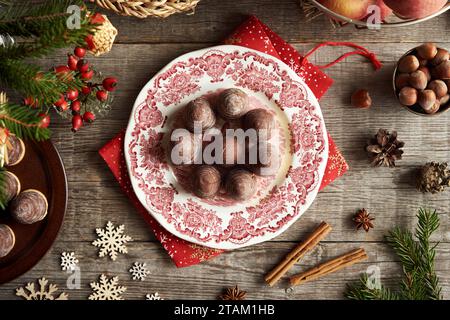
<point x="148" y="8"/>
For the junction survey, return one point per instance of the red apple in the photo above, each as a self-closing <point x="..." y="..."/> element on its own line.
<point x="415" y="9"/>
<point x="353" y="9"/>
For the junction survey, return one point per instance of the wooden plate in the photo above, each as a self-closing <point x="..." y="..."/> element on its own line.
<point x="41" y="169"/>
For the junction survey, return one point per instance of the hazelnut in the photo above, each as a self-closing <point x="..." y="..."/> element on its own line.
<point x="261" y="120"/>
<point x="427" y="99"/>
<point x="444" y="100"/>
<point x="439" y="87"/>
<point x="207" y="181"/>
<point x="185" y="148"/>
<point x="408" y="64"/>
<point x="427" y="51"/>
<point x="361" y="98"/>
<point x="426" y="71"/>
<point x="408" y="96"/>
<point x="434" y="108"/>
<point x="418" y="80"/>
<point x="233" y="103"/>
<point x="441" y="56"/>
<point x="442" y="71"/>
<point x="199" y="112"/>
<point x="240" y="184"/>
<point x="401" y="80"/>
<point x="29" y="206"/>
<point x="7" y="240"/>
<point x="423" y="62"/>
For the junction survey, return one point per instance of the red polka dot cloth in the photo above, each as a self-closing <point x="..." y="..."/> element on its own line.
<point x="252" y="34"/>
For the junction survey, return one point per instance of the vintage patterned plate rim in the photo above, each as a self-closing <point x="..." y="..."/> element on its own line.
<point x="310" y="101"/>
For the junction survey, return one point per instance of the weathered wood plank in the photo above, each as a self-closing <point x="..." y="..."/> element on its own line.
<point x="245" y="267"/>
<point x="215" y="19"/>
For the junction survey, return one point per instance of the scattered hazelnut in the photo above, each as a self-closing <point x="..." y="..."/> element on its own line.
<point x="423" y="62"/>
<point x="29" y="206"/>
<point x="426" y="71"/>
<point x="408" y="96"/>
<point x="434" y="108"/>
<point x="261" y="120"/>
<point x="199" y="111"/>
<point x="233" y="103"/>
<point x="427" y="51"/>
<point x="442" y="71"/>
<point x="402" y="80"/>
<point x="427" y="99"/>
<point x="361" y="98"/>
<point x="439" y="87"/>
<point x="7" y="240"/>
<point x="408" y="64"/>
<point x="206" y="182"/>
<point x="240" y="184"/>
<point x="441" y="56"/>
<point x="418" y="80"/>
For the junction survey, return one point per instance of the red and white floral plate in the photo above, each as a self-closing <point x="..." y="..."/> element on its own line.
<point x="263" y="77"/>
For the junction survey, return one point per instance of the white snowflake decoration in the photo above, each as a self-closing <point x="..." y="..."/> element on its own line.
<point x="107" y="289"/>
<point x="68" y="261"/>
<point x="44" y="293"/>
<point x="139" y="271"/>
<point x="154" y="296"/>
<point x="111" y="240"/>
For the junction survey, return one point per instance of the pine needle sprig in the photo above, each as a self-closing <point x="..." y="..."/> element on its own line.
<point x="23" y="122"/>
<point x="417" y="259"/>
<point x="31" y="82"/>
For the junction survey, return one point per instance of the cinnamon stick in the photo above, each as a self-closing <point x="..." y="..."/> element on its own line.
<point x="330" y="266"/>
<point x="297" y="253"/>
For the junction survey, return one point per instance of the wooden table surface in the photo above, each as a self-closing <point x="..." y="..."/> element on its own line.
<point x="142" y="48"/>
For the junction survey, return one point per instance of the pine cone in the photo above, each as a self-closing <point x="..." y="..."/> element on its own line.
<point x="384" y="149"/>
<point x="433" y="177"/>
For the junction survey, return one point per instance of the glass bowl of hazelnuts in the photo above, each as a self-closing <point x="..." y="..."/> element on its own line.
<point x="422" y="80"/>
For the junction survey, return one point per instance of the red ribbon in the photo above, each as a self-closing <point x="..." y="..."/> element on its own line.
<point x="359" y="51"/>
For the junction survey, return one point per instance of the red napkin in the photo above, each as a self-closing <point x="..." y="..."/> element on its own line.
<point x="252" y="34"/>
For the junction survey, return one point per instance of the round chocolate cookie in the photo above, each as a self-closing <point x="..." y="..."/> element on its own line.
<point x="240" y="184"/>
<point x="261" y="120"/>
<point x="29" y="206"/>
<point x="233" y="103"/>
<point x="11" y="187"/>
<point x="16" y="153"/>
<point x="7" y="240"/>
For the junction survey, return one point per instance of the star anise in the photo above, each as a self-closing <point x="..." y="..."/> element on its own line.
<point x="233" y="294"/>
<point x="363" y="219"/>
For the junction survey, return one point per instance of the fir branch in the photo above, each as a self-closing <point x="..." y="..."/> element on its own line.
<point x="46" y="25"/>
<point x="362" y="291"/>
<point x="417" y="259"/>
<point x="23" y="122"/>
<point x="31" y="82"/>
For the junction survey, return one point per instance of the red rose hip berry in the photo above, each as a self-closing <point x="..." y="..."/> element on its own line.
<point x="76" y="107"/>
<point x="72" y="62"/>
<point x="45" y="120"/>
<point x="80" y="52"/>
<point x="88" y="117"/>
<point x="83" y="65"/>
<point x="77" y="123"/>
<point x="102" y="95"/>
<point x="87" y="75"/>
<point x="86" y="90"/>
<point x="109" y="84"/>
<point x="72" y="94"/>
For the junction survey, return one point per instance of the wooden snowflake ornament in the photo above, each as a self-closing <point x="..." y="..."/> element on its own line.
<point x="68" y="261"/>
<point x="111" y="241"/>
<point x="107" y="289"/>
<point x="139" y="271"/>
<point x="44" y="293"/>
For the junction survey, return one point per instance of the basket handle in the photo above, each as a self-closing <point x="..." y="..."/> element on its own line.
<point x="359" y="51"/>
